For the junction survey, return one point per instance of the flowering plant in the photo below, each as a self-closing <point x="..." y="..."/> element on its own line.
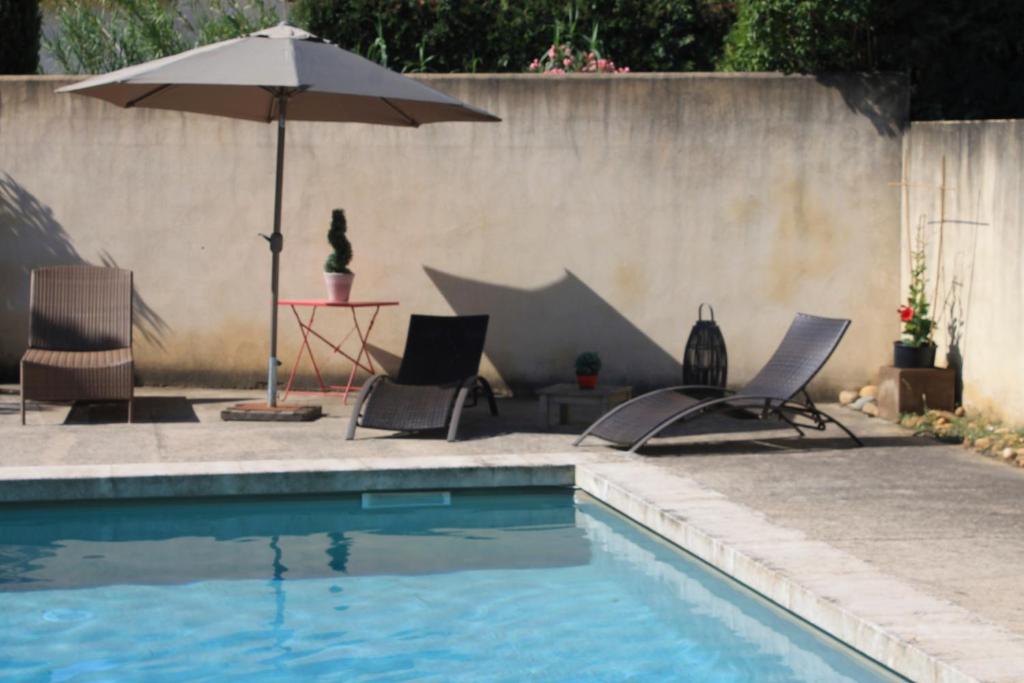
<point x="564" y="57"/>
<point x="917" y="325"/>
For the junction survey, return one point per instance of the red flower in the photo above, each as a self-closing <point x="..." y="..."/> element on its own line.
<point x="906" y="313"/>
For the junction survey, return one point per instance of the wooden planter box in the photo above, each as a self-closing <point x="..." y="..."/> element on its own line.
<point x="912" y="390"/>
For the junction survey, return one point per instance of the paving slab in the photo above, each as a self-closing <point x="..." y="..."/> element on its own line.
<point x="942" y="518"/>
<point x="919" y="635"/>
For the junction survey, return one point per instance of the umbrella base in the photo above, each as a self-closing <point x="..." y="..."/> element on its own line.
<point x="261" y="412"/>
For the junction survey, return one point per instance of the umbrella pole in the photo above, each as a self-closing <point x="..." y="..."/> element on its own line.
<point x="276" y="244"/>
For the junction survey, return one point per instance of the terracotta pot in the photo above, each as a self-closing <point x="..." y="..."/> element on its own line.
<point x="339" y="286"/>
<point x="586" y="381"/>
<point x="906" y="356"/>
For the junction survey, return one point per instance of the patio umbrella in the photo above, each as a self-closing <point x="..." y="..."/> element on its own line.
<point x="278" y="74"/>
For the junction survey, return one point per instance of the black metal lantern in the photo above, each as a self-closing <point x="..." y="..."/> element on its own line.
<point x="705" y="360"/>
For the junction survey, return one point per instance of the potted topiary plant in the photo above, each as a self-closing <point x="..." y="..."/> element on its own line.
<point x="916" y="349"/>
<point x="588" y="364"/>
<point x="337" y="276"/>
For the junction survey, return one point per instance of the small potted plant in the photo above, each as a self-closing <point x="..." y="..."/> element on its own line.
<point x="916" y="349"/>
<point x="337" y="276"/>
<point x="588" y="364"/>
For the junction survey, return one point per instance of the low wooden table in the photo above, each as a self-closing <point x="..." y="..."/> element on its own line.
<point x="561" y="396"/>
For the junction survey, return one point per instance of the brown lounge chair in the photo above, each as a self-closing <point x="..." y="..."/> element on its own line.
<point x="80" y="336"/>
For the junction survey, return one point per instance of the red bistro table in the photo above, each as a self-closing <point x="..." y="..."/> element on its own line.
<point x="306" y="327"/>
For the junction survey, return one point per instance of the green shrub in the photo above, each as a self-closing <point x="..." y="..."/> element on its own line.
<point x="342" y="256"/>
<point x="806" y="36"/>
<point x="588" y="363"/>
<point x="20" y="25"/>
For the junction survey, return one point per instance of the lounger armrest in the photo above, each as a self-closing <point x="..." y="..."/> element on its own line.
<point x="683" y="387"/>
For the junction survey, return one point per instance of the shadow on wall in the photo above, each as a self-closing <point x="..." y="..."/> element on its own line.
<point x="883" y="98"/>
<point x="535" y="334"/>
<point x="954" y="331"/>
<point x="32" y="238"/>
<point x="953" y="311"/>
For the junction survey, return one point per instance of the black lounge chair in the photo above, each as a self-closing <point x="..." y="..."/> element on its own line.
<point x="778" y="390"/>
<point x="438" y="373"/>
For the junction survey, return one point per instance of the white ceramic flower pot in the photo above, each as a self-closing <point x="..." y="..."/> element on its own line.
<point x="339" y="286"/>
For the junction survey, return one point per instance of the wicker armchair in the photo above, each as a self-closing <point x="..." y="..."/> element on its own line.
<point x="80" y="336"/>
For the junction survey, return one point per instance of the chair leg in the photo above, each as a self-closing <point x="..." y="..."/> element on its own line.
<point x="22" y="407"/>
<point x="453" y="426"/>
<point x="353" y="421"/>
<point x="131" y="409"/>
<point x="837" y="423"/>
<point x="489" y="393"/>
<point x="792" y="424"/>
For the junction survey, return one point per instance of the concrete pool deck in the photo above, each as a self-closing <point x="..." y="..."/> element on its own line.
<point x="906" y="549"/>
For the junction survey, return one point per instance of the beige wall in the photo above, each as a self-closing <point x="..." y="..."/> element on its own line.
<point x="598" y="215"/>
<point x="976" y="258"/>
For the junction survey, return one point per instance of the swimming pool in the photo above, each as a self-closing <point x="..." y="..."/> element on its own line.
<point x="509" y="586"/>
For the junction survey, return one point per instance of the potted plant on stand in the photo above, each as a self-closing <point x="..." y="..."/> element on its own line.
<point x="916" y="348"/>
<point x="337" y="276"/>
<point x="588" y="364"/>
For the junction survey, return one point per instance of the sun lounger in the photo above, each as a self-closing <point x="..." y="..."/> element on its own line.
<point x="438" y="373"/>
<point x="778" y="390"/>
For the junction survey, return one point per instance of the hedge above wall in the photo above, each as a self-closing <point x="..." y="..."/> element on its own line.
<point x="503" y="36"/>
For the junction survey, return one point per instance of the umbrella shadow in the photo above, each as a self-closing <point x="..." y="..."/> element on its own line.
<point x="34" y="238"/>
<point x="535" y="334"/>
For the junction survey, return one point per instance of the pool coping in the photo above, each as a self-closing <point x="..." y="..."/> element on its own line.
<point x="916" y="635"/>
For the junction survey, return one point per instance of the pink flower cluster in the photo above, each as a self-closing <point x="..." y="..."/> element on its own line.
<point x="562" y="59"/>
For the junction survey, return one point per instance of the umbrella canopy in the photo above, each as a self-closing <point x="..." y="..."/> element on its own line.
<point x="279" y="73"/>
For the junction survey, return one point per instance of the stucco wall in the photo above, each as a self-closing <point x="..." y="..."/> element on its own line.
<point x="597" y="215"/>
<point x="976" y="261"/>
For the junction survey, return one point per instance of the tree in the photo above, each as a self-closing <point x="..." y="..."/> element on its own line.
<point x="806" y="36"/>
<point x="964" y="58"/>
<point x="20" y="24"/>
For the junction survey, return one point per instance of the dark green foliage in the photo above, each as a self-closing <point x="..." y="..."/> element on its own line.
<point x="342" y="256"/>
<point x="588" y="363"/>
<point x="798" y="35"/>
<point x="965" y="58"/>
<point x="20" y="25"/>
<point x="506" y="35"/>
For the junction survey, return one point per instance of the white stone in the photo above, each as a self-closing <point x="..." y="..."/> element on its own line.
<point x="861" y="402"/>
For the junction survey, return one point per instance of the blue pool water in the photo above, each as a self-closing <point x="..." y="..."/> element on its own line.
<point x="511" y="587"/>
